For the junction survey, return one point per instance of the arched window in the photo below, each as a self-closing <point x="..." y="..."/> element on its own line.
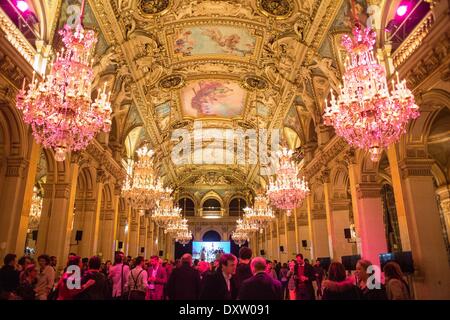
<point x="211" y="205"/>
<point x="236" y="207"/>
<point x="188" y="207"/>
<point x="211" y="235"/>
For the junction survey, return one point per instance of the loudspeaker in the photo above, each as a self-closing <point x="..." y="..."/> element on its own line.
<point x="161" y="253"/>
<point x="304" y="243"/>
<point x="120" y="245"/>
<point x="262" y="252"/>
<point x="79" y="235"/>
<point x="281" y="249"/>
<point x="347" y="233"/>
<point x="142" y="249"/>
<point x="34" y="235"/>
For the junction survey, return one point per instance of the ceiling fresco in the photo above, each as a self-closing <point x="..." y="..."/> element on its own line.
<point x="228" y="64"/>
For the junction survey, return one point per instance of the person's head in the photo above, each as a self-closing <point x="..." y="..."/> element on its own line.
<point x="317" y="263"/>
<point x="203" y="266"/>
<point x="74" y="261"/>
<point x="245" y="254"/>
<point x="228" y="263"/>
<point x="154" y="261"/>
<point x="196" y="261"/>
<point x="94" y="263"/>
<point x="118" y="257"/>
<point x="139" y="261"/>
<point x="85" y="261"/>
<point x="299" y="258"/>
<point x="258" y="265"/>
<point x="285" y="266"/>
<point x="53" y="261"/>
<point x="217" y="263"/>
<point x="24" y="262"/>
<point x="361" y="269"/>
<point x="10" y="259"/>
<point x="186" y="259"/>
<point x="43" y="260"/>
<point x="392" y="270"/>
<point x="291" y="265"/>
<point x="108" y="263"/>
<point x="306" y="261"/>
<point x="30" y="272"/>
<point x="336" y="272"/>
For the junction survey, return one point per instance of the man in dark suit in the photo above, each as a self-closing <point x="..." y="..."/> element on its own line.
<point x="184" y="281"/>
<point x="261" y="286"/>
<point x="304" y="277"/>
<point x="221" y="284"/>
<point x="243" y="271"/>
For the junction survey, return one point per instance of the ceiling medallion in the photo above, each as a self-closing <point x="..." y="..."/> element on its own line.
<point x="280" y="9"/>
<point x="173" y="81"/>
<point x="254" y="82"/>
<point x="154" y="6"/>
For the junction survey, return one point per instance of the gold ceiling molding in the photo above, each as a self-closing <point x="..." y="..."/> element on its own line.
<point x="279" y="9"/>
<point x="154" y="7"/>
<point x="170" y="82"/>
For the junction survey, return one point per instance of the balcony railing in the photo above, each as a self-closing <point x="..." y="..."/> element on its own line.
<point x="414" y="40"/>
<point x="211" y="213"/>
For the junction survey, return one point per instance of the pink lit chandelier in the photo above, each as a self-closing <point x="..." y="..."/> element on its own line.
<point x="183" y="237"/>
<point x="366" y="113"/>
<point x="239" y="237"/>
<point x="288" y="191"/>
<point x="59" y="108"/>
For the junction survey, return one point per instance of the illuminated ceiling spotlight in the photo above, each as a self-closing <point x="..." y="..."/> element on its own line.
<point x="22" y="6"/>
<point x="402" y="10"/>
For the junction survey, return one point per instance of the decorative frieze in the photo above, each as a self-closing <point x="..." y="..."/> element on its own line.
<point x="416" y="168"/>
<point x="368" y="190"/>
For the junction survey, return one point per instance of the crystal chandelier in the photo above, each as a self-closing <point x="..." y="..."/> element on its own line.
<point x="142" y="189"/>
<point x="287" y="191"/>
<point x="365" y="112"/>
<point x="183" y="237"/>
<point x="261" y="214"/>
<point x="59" y="108"/>
<point x="239" y="237"/>
<point x="174" y="227"/>
<point x="246" y="226"/>
<point x="166" y="212"/>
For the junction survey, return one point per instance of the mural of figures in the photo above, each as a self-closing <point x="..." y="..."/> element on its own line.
<point x="213" y="40"/>
<point x="215" y="98"/>
<point x="163" y="115"/>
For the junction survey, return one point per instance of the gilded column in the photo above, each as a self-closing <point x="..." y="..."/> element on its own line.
<point x="133" y="245"/>
<point x="399" y="196"/>
<point x="325" y="176"/>
<point x="278" y="238"/>
<point x="310" y="227"/>
<point x="425" y="230"/>
<point x="297" y="242"/>
<point x="286" y="236"/>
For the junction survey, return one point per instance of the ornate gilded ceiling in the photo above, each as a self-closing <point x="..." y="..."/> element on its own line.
<point x="229" y="64"/>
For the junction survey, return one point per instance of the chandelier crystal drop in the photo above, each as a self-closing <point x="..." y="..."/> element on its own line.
<point x="183" y="237"/>
<point x="142" y="189"/>
<point x="166" y="212"/>
<point x="261" y="214"/>
<point x="365" y="112"/>
<point x="59" y="108"/>
<point x="287" y="191"/>
<point x="239" y="237"/>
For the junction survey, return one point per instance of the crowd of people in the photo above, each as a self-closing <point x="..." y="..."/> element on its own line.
<point x="227" y="278"/>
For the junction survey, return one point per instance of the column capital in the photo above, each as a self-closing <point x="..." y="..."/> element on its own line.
<point x="15" y="166"/>
<point x="416" y="168"/>
<point x="62" y="190"/>
<point x="368" y="190"/>
<point x="324" y="175"/>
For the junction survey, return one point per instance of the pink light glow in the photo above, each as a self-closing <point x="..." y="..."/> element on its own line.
<point x="401" y="10"/>
<point x="22" y="6"/>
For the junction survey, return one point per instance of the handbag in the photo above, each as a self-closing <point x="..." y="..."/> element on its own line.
<point x="136" y="294"/>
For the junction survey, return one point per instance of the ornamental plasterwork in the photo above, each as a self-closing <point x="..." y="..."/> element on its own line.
<point x="175" y="47"/>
